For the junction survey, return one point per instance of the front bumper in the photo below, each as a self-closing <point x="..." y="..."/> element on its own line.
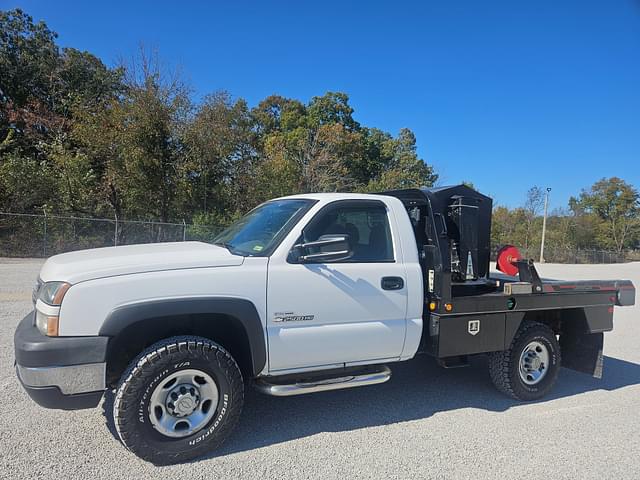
<point x="60" y="372"/>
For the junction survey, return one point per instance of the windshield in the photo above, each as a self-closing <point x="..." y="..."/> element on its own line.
<point x="261" y="230"/>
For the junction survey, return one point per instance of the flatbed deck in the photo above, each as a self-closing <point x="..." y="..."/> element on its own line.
<point x="555" y="295"/>
<point x="580" y="312"/>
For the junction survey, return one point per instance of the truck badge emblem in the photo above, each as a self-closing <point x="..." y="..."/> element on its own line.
<point x="291" y="317"/>
<point x="474" y="327"/>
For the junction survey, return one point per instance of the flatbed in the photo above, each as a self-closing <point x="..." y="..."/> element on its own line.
<point x="468" y="311"/>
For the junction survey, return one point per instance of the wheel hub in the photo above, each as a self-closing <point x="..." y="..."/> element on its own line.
<point x="534" y="363"/>
<point x="183" y="403"/>
<point x="183" y="400"/>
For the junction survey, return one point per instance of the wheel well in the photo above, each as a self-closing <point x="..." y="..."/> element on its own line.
<point x="580" y="335"/>
<point x="566" y="321"/>
<point x="223" y="329"/>
<point x="550" y="318"/>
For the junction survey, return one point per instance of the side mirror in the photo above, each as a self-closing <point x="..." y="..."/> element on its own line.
<point x="327" y="248"/>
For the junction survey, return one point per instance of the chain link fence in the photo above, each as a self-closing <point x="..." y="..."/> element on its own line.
<point x="32" y="235"/>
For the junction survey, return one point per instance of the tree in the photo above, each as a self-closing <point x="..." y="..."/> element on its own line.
<point x="331" y="108"/>
<point x="81" y="137"/>
<point x="81" y="79"/>
<point x="133" y="143"/>
<point x="314" y="159"/>
<point x="509" y="227"/>
<point x="308" y="148"/>
<point x="617" y="204"/>
<point x="405" y="170"/>
<point x="220" y="143"/>
<point x="532" y="207"/>
<point x="276" y="113"/>
<point x="28" y="59"/>
<point x="28" y="56"/>
<point x="155" y="108"/>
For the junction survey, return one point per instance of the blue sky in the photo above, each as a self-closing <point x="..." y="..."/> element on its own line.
<point x="504" y="94"/>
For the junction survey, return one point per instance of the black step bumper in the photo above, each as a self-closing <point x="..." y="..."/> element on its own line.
<point x="60" y="372"/>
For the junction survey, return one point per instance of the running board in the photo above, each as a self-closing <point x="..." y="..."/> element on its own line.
<point x="287" y="386"/>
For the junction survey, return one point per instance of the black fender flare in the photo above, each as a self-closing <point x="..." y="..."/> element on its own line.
<point x="242" y="310"/>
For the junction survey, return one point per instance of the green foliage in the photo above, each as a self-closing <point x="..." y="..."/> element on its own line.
<point x="615" y="205"/>
<point x="28" y="57"/>
<point x="604" y="217"/>
<point x="82" y="80"/>
<point x="24" y="183"/>
<point x="204" y="228"/>
<point x="129" y="142"/>
<point x="405" y="169"/>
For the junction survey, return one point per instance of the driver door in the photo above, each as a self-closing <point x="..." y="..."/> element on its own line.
<point x="350" y="311"/>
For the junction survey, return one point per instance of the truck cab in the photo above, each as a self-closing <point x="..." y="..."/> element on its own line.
<point x="330" y="309"/>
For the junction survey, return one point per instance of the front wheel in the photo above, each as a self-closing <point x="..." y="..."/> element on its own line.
<point x="529" y="369"/>
<point x="180" y="398"/>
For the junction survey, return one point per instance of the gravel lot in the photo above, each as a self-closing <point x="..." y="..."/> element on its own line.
<point x="426" y="422"/>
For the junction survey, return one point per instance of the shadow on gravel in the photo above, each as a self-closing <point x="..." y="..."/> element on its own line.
<point x="107" y="411"/>
<point x="417" y="389"/>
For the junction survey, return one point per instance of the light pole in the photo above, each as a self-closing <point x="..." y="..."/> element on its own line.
<point x="544" y="224"/>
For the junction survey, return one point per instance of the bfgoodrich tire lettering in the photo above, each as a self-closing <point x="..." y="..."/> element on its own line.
<point x="504" y="367"/>
<point x="131" y="405"/>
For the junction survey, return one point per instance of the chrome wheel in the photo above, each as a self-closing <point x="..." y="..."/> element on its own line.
<point x="183" y="403"/>
<point x="534" y="363"/>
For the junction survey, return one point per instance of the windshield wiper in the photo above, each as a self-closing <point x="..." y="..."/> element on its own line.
<point x="228" y="246"/>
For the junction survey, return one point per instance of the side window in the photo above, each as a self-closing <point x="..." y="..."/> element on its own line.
<point x="367" y="225"/>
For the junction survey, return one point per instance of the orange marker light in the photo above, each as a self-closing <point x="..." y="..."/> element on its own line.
<point x="448" y="307"/>
<point x="57" y="300"/>
<point x="53" y="326"/>
<point x="432" y="306"/>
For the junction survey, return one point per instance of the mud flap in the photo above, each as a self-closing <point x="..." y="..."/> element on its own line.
<point x="583" y="352"/>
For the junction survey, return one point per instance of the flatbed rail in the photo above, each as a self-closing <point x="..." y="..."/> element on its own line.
<point x="624" y="288"/>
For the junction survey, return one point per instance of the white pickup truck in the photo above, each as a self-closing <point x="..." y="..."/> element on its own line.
<point x="305" y="293"/>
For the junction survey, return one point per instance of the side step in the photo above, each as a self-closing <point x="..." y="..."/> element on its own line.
<point x="337" y="379"/>
<point x="454" y="362"/>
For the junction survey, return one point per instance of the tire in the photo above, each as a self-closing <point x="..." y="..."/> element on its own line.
<point x="162" y="432"/>
<point x="523" y="371"/>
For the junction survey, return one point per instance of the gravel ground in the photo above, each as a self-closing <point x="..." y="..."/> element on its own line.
<point x="425" y="422"/>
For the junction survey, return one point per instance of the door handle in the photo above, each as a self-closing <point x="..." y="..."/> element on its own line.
<point x="392" y="283"/>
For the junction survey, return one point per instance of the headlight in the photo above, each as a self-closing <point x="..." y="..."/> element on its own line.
<point x="52" y="293"/>
<point x="48" y="315"/>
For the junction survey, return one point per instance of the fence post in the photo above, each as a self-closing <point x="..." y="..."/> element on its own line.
<point x="115" y="234"/>
<point x="44" y="239"/>
<point x="184" y="230"/>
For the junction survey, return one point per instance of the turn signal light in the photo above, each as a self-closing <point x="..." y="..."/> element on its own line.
<point x="60" y="293"/>
<point x="52" y="326"/>
<point x="432" y="306"/>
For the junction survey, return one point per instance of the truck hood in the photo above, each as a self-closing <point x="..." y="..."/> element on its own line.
<point x="85" y="265"/>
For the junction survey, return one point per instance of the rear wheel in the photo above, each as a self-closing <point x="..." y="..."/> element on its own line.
<point x="180" y="398"/>
<point x="529" y="369"/>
